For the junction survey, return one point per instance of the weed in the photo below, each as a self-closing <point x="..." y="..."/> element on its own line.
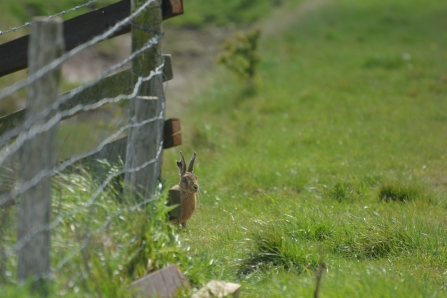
<point x="374" y="239"/>
<point x="275" y="246"/>
<point x="241" y="57"/>
<point x="341" y="191"/>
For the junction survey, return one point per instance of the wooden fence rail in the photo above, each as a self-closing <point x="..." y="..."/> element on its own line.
<point x="79" y="30"/>
<point x="109" y="87"/>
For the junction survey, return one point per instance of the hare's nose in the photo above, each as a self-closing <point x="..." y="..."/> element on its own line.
<point x="196" y="187"/>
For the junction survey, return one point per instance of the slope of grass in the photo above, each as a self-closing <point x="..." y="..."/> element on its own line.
<point x="341" y="147"/>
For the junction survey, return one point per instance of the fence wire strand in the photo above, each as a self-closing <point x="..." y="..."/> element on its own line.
<point x="24" y="240"/>
<point x="7" y="136"/>
<point x="12" y="140"/>
<point x="114" y="215"/>
<point x="27" y="24"/>
<point x="27" y="130"/>
<point x="57" y="62"/>
<point x="56" y="119"/>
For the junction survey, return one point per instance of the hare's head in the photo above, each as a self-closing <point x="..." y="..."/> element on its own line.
<point x="188" y="181"/>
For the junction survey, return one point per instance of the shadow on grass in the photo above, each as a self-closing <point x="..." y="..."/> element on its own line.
<point x="277" y="244"/>
<point x="396" y="192"/>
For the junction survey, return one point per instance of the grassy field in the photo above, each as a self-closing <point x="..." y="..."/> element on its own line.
<point x="338" y="155"/>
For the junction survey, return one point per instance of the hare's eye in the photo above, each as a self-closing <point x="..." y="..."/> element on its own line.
<point x="184" y="179"/>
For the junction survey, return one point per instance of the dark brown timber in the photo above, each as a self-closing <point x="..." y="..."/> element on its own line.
<point x="78" y="30"/>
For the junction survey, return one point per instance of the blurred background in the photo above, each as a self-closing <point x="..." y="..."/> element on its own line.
<point x="192" y="39"/>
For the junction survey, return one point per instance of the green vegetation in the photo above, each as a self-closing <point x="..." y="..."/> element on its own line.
<point x="101" y="241"/>
<point x="342" y="147"/>
<point x="338" y="156"/>
<point x="240" y="56"/>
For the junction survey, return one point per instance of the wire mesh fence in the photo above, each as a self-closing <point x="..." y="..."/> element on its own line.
<point x="91" y="206"/>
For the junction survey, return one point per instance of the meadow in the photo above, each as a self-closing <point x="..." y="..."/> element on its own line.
<point x="334" y="160"/>
<point x="338" y="155"/>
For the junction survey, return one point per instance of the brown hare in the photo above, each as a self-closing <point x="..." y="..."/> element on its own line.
<point x="188" y="187"/>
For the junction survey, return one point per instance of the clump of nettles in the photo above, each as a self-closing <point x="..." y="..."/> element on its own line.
<point x="240" y="56"/>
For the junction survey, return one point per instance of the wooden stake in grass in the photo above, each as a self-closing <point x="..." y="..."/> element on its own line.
<point x="319" y="273"/>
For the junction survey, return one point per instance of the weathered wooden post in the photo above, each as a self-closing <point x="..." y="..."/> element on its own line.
<point x="46" y="44"/>
<point x="143" y="142"/>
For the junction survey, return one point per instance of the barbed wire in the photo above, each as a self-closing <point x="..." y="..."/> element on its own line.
<point x="58" y="169"/>
<point x="9" y="150"/>
<point x="17" y="131"/>
<point x="7" y="136"/>
<point x="27" y="24"/>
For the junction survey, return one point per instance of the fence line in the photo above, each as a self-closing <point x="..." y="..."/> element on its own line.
<point x="25" y="239"/>
<point x="32" y="78"/>
<point x="6" y="137"/>
<point x="13" y="140"/>
<point x="33" y="130"/>
<point x="27" y="24"/>
<point x="55" y="120"/>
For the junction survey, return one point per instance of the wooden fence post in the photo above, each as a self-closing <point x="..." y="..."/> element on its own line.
<point x="46" y="44"/>
<point x="143" y="142"/>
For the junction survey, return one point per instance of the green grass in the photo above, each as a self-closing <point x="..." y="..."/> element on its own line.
<point x="342" y="146"/>
<point x="100" y="243"/>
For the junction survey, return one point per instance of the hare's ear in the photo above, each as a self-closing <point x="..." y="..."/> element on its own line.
<point x="191" y="162"/>
<point x="182" y="165"/>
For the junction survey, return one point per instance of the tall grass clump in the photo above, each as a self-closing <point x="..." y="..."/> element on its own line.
<point x="126" y="237"/>
<point x="342" y="191"/>
<point x="398" y="192"/>
<point x="375" y="236"/>
<point x="276" y="245"/>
